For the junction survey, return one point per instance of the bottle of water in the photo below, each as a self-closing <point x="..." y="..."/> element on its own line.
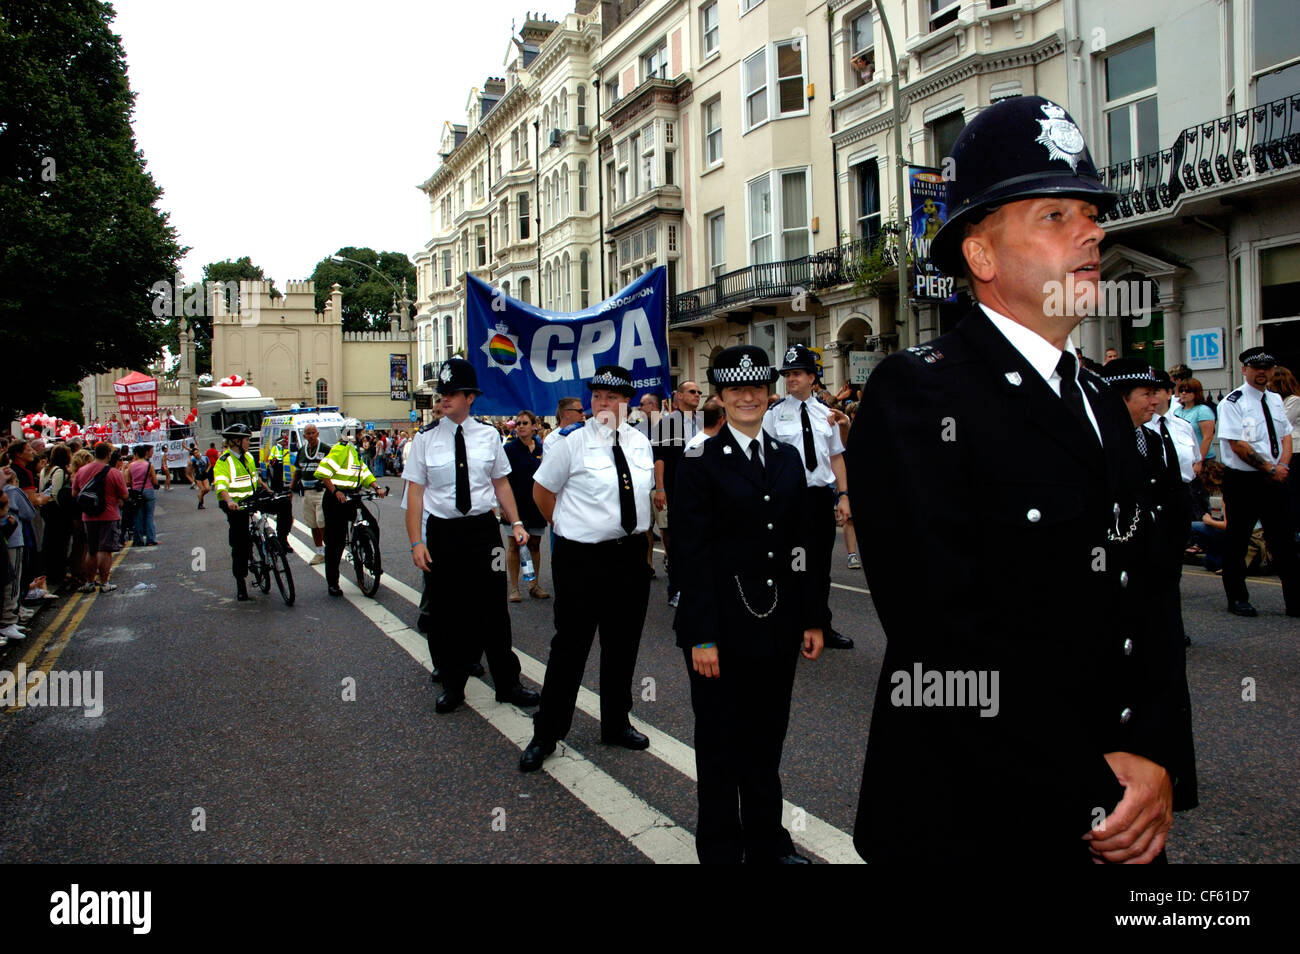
<point x="526" y="565"/>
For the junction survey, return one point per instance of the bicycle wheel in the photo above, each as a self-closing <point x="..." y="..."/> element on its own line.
<point x="365" y="560"/>
<point x="262" y="574"/>
<point x="280" y="567"/>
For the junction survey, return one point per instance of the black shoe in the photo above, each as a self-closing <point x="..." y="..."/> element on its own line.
<point x="476" y="669"/>
<point x="535" y="755"/>
<point x="449" y="701"/>
<point x="794" y="858"/>
<point x="834" y="639"/>
<point x="1242" y="608"/>
<point x="628" y="738"/>
<point x="1187" y="640"/>
<point x="241" y="590"/>
<point x="520" y="696"/>
<point x="435" y="676"/>
<point x="336" y="591"/>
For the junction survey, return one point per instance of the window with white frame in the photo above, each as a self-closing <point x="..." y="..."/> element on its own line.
<point x="582" y="105"/>
<point x="943" y="134"/>
<point x="1279" y="299"/>
<point x="862" y="59"/>
<point x="648" y="179"/>
<point x="636" y="254"/>
<point x="1275" y="68"/>
<point x="634" y="165"/>
<point x="655" y="62"/>
<point x="503" y="223"/>
<point x="778" y="220"/>
<point x="526" y="291"/>
<point x="943" y="12"/>
<point x="709" y="28"/>
<point x="866" y="178"/>
<point x="670" y="154"/>
<point x="1130" y="110"/>
<point x="776" y="336"/>
<point x="716" y="228"/>
<point x="564" y="109"/>
<point x="611" y="92"/>
<point x="713" y="131"/>
<point x="523" y="140"/>
<point x="774" y="82"/>
<point x="497" y="167"/>
<point x="610" y="183"/>
<point x="522" y="203"/>
<point x="446" y="268"/>
<point x="582" y="186"/>
<point x="514" y="148"/>
<point x="747" y="5"/>
<point x="448" y="336"/>
<point x="564" y="190"/>
<point x="566" y="273"/>
<point x="480" y="246"/>
<point x="584" y="278"/>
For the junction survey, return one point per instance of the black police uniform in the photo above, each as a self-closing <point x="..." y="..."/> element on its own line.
<point x="1015" y="548"/>
<point x="739" y="531"/>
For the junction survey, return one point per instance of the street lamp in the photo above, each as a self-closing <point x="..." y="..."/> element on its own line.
<point x="903" y="233"/>
<point x="405" y="304"/>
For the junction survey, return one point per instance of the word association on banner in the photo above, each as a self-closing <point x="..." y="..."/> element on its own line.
<point x="553" y="350"/>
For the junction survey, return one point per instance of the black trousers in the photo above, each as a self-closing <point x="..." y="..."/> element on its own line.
<point x="821" y="511"/>
<point x="470" y="603"/>
<point x="337" y="517"/>
<point x="740" y="723"/>
<point x="1248" y="497"/>
<point x="241" y="544"/>
<point x="284" y="522"/>
<point x="603" y="586"/>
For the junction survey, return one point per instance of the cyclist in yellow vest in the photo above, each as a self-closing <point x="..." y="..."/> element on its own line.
<point x="279" y="469"/>
<point x="234" y="478"/>
<point x="342" y="470"/>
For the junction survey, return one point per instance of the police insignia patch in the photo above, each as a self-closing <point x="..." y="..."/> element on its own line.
<point x="1234" y="397"/>
<point x="1014" y="377"/>
<point x="745" y="361"/>
<point x="445" y="374"/>
<point x="1061" y="137"/>
<point x="791" y="355"/>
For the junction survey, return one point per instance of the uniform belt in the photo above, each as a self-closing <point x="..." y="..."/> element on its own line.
<point x="616" y="542"/>
<point x="473" y="516"/>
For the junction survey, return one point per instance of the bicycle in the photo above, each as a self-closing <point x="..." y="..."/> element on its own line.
<point x="361" y="543"/>
<point x="268" y="557"/>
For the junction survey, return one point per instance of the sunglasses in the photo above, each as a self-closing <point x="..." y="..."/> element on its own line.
<point x="691" y="391"/>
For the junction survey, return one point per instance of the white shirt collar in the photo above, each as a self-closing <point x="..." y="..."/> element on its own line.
<point x="743" y="441"/>
<point x="1041" y="354"/>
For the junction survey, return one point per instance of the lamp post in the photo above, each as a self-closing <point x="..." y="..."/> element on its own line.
<point x="901" y="163"/>
<point x="404" y="303"/>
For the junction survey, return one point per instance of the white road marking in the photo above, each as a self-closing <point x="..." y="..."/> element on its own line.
<point x="818" y="836"/>
<point x="649" y="830"/>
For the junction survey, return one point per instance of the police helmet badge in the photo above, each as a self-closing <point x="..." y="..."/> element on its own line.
<point x="746" y="362"/>
<point x="791" y="355"/>
<point x="1062" y="138"/>
<point x="445" y="374"/>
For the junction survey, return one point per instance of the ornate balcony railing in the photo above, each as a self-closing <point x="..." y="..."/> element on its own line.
<point x="772" y="281"/>
<point x="1208" y="156"/>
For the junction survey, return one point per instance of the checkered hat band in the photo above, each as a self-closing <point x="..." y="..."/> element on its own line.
<point x="758" y="374"/>
<point x="1144" y="378"/>
<point x="1260" y="359"/>
<point x="610" y="381"/>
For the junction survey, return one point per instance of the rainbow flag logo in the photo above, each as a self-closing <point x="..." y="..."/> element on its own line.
<point x="503" y="351"/>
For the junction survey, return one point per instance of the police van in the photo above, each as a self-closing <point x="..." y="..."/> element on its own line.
<point x="329" y="422"/>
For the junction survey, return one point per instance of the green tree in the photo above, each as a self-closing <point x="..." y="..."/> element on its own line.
<point x="82" y="240"/>
<point x="64" y="403"/>
<point x="367" y="298"/>
<point x="199" y="318"/>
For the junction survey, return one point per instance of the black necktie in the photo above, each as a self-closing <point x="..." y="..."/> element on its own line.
<point x="1070" y="392"/>
<point x="626" y="498"/>
<point x="1171" y="452"/>
<point x="1142" y="440"/>
<point x="756" y="458"/>
<point x="462" y="472"/>
<point x="1272" y="430"/>
<point x="809" y="448"/>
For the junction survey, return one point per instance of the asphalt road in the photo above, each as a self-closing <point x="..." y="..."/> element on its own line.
<point x="258" y="732"/>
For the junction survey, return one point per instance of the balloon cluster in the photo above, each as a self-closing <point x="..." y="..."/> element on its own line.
<point x="233" y="381"/>
<point x="47" y="425"/>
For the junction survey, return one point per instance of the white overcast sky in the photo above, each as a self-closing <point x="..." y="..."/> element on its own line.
<point x="284" y="130"/>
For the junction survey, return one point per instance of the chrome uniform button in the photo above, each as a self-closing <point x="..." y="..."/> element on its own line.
<point x="1123" y="577"/>
<point x="1125" y="715"/>
<point x="1034" y="515"/>
<point x="1128" y="647"/>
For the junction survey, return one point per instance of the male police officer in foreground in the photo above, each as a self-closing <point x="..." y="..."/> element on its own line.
<point x="1004" y="481"/>
<point x="1255" y="442"/>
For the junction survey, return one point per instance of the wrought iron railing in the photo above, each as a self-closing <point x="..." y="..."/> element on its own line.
<point x="1250" y="143"/>
<point x="770" y="281"/>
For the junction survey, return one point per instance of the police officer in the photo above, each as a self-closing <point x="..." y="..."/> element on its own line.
<point x="804" y="423"/>
<point x="1255" y="446"/>
<point x="235" y="479"/>
<point x="749" y="606"/>
<point x="279" y="469"/>
<point x="458" y="469"/>
<point x="593" y="487"/>
<point x="342" y="470"/>
<point x="309" y="456"/>
<point x="1004" y="486"/>
<point x="1176" y="465"/>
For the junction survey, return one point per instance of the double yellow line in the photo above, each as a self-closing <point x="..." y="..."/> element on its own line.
<point x="72" y="613"/>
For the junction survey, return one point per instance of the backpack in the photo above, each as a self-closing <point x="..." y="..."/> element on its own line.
<point x="92" y="499"/>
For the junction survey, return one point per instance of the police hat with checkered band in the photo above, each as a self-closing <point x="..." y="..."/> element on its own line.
<point x="1257" y="358"/>
<point x="1125" y="374"/>
<point x="457" y="374"/>
<point x="799" y="358"/>
<point x="612" y="378"/>
<point x="1020" y="148"/>
<point x="741" y="365"/>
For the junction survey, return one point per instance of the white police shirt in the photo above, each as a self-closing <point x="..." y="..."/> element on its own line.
<point x="1187" y="441"/>
<point x="784" y="421"/>
<point x="433" y="465"/>
<point x="579" y="469"/>
<point x="1241" y="418"/>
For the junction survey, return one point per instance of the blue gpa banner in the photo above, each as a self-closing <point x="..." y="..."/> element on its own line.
<point x="526" y="357"/>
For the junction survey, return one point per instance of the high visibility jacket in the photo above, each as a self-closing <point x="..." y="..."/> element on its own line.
<point x="282" y="458"/>
<point x="236" y="476"/>
<point x="345" y="468"/>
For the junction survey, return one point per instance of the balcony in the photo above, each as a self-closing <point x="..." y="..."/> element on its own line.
<point x="773" y="281"/>
<point x="1245" y="147"/>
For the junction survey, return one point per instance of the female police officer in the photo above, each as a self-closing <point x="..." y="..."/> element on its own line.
<point x="235" y="478"/>
<point x="594" y="488"/>
<point x="748" y="606"/>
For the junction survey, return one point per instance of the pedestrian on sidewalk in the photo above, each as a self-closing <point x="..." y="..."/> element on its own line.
<point x="103" y="530"/>
<point x="524" y="451"/>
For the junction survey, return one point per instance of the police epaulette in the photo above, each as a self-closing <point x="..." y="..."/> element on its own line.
<point x="926" y="353"/>
<point x="570" y="428"/>
<point x="1234" y="397"/>
<point x="430" y="426"/>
